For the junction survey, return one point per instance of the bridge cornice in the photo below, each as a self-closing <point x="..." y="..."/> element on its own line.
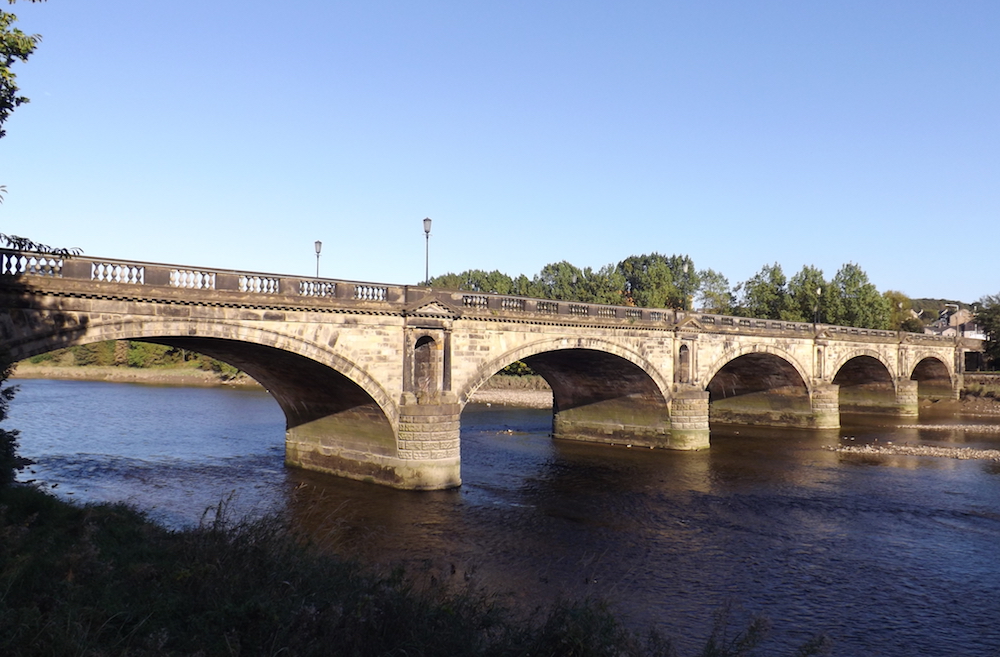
<point x="114" y="279"/>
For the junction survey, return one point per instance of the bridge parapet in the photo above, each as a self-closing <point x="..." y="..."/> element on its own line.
<point x="145" y="274"/>
<point x="396" y="298"/>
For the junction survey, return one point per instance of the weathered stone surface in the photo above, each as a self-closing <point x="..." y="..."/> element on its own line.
<point x="373" y="378"/>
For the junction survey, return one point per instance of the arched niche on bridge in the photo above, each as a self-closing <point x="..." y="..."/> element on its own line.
<point x="427" y="366"/>
<point x="682" y="370"/>
<point x="865" y="384"/>
<point x="758" y="387"/>
<point x="933" y="379"/>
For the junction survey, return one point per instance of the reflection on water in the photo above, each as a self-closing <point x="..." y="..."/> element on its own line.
<point x="890" y="555"/>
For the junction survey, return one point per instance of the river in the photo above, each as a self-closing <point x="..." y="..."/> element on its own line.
<point x="889" y="555"/>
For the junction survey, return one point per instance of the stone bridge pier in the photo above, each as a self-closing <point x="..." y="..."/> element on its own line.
<point x="372" y="379"/>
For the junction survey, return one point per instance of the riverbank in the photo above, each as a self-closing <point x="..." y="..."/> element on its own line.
<point x="103" y="579"/>
<point x="524" y="392"/>
<point x="164" y="376"/>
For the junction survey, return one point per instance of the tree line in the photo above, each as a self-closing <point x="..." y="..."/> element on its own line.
<point x="658" y="281"/>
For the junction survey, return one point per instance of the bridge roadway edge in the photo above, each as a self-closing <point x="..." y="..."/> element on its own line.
<point x="417" y="355"/>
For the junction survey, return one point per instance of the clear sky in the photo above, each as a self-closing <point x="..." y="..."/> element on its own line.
<point x="234" y="134"/>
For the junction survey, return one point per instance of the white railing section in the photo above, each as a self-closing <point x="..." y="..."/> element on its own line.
<point x="607" y="311"/>
<point x="36" y="265"/>
<point x="259" y="284"/>
<point x="512" y="304"/>
<point x="110" y="272"/>
<point x="192" y="279"/>
<point x="317" y="289"/>
<point x="475" y="301"/>
<point x="370" y="292"/>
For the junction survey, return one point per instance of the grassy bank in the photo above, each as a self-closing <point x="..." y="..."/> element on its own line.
<point x="180" y="375"/>
<point x="102" y="580"/>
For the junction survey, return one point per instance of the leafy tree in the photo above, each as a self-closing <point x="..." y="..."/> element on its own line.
<point x="807" y="300"/>
<point x="475" y="280"/>
<point x="15" y="46"/>
<point x="765" y="294"/>
<point x="899" y="308"/>
<point x="649" y="281"/>
<point x="559" y="280"/>
<point x="912" y="325"/>
<point x="10" y="462"/>
<point x="988" y="316"/>
<point x="685" y="280"/>
<point x="602" y="286"/>
<point x="524" y="286"/>
<point x="854" y="301"/>
<point x="714" y="294"/>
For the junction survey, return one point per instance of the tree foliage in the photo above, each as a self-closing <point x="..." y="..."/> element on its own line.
<point x="649" y="281"/>
<point x="15" y="46"/>
<point x="988" y="317"/>
<point x="900" y="310"/>
<point x="10" y="462"/>
<point x="765" y="294"/>
<point x="854" y="301"/>
<point x="653" y="280"/>
<point x="807" y="302"/>
<point x="714" y="294"/>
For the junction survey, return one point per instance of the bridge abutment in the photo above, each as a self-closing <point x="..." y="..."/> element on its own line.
<point x="429" y="443"/>
<point x="825" y="402"/>
<point x="627" y="420"/>
<point x="689" y="428"/>
<point x="907" y="398"/>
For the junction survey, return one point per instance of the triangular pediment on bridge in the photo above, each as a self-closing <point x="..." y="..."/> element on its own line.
<point x="690" y="323"/>
<point x="433" y="308"/>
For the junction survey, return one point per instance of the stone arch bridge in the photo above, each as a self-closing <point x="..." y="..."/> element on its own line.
<point x="373" y="378"/>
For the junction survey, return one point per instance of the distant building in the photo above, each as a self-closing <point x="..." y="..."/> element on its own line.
<point x="954" y="321"/>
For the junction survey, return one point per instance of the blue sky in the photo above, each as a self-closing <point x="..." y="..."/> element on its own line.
<point x="235" y="134"/>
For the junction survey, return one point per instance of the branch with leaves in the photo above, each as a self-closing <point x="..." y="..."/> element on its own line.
<point x="24" y="244"/>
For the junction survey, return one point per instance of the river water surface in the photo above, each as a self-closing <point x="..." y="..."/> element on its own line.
<point x="889" y="555"/>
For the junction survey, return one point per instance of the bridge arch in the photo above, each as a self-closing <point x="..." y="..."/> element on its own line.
<point x="866" y="382"/>
<point x="866" y="356"/>
<point x="223" y="340"/>
<point x="601" y="391"/>
<point x="789" y="365"/>
<point x="551" y="345"/>
<point x="934" y="377"/>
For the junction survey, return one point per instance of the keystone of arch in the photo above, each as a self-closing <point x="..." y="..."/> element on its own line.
<point x="493" y="366"/>
<point x="144" y="328"/>
<point x="757" y="348"/>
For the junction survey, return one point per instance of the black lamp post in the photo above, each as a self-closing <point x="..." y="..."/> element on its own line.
<point x="319" y="247"/>
<point x="427" y="251"/>
<point x="819" y="293"/>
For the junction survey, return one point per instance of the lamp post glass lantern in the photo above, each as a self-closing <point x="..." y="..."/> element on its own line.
<point x="319" y="247"/>
<point x="427" y="251"/>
